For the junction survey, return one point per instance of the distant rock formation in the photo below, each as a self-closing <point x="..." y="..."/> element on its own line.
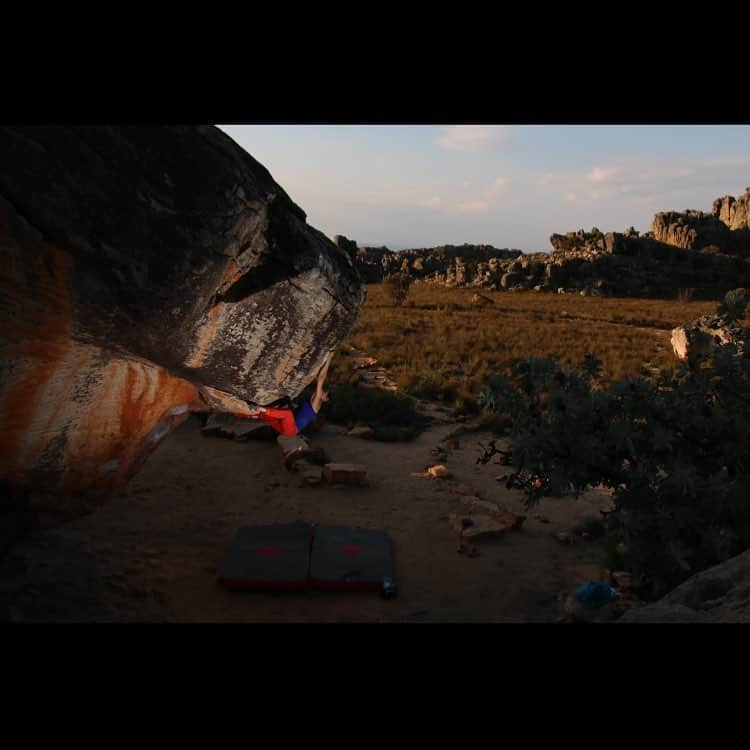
<point x="640" y="266"/>
<point x="726" y="229"/>
<point x="734" y="212"/>
<point x="698" y="254"/>
<point x="147" y="272"/>
<point x="451" y="265"/>
<point x="691" y="229"/>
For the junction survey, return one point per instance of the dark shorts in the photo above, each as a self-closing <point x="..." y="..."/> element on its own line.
<point x="304" y="416"/>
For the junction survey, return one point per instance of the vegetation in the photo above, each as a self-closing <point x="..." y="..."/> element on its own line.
<point x="397" y="287"/>
<point x="673" y="450"/>
<point x="391" y="415"/>
<point x="439" y="345"/>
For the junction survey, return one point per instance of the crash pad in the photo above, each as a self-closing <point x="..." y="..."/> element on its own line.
<point x="268" y="557"/>
<point x="345" y="558"/>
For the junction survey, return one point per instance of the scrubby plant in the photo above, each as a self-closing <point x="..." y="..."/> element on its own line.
<point x="397" y="287"/>
<point x="673" y="450"/>
<point x="392" y="415"/>
<point x="732" y="307"/>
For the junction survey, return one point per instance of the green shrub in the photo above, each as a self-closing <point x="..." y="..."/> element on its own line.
<point x="391" y="415"/>
<point x="674" y="452"/>
<point x="594" y="526"/>
<point x="397" y="287"/>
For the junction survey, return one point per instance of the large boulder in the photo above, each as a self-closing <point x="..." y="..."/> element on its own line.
<point x="703" y="336"/>
<point x="147" y="272"/>
<point x="719" y="594"/>
<point x="510" y="279"/>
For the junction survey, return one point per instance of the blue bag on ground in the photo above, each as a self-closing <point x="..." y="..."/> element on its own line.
<point x="595" y="594"/>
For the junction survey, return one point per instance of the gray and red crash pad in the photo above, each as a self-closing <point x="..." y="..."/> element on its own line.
<point x="293" y="556"/>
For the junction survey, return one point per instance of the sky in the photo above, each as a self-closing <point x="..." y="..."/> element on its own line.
<point x="511" y="186"/>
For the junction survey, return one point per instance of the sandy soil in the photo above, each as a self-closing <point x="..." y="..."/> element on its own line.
<point x="154" y="553"/>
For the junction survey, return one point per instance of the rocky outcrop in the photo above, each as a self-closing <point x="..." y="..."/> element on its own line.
<point x="348" y="246"/>
<point x="719" y="594"/>
<point x="704" y="335"/>
<point x="725" y="230"/>
<point x="691" y="229"/>
<point x="631" y="265"/>
<point x="451" y="265"/>
<point x="702" y="255"/>
<point x="734" y="212"/>
<point x="148" y="272"/>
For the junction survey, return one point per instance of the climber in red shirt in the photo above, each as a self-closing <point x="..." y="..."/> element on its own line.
<point x="289" y="422"/>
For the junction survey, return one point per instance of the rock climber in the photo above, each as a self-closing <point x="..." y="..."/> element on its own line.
<point x="291" y="422"/>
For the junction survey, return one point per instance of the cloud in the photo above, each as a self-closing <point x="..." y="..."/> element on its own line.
<point x="597" y="174"/>
<point x="473" y="137"/>
<point x="433" y="202"/>
<point x="473" y="207"/>
<point x="660" y="181"/>
<point x="502" y="181"/>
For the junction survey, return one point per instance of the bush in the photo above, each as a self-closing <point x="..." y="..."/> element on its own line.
<point x="429" y="385"/>
<point x="391" y="415"/>
<point x="397" y="287"/>
<point x="673" y="451"/>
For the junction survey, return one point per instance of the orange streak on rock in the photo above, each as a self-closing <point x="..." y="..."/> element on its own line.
<point x="34" y="334"/>
<point x="71" y="420"/>
<point x="125" y="421"/>
<point x="206" y="336"/>
<point x="231" y="273"/>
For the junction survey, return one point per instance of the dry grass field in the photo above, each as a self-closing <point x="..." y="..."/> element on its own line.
<point x="441" y="345"/>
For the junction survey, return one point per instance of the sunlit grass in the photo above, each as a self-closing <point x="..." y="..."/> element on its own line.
<point x="439" y="345"/>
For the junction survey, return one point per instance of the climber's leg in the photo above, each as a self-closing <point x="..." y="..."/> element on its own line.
<point x="282" y="420"/>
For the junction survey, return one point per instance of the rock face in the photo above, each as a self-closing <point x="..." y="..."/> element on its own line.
<point x="734" y="212"/>
<point x="692" y="229"/>
<point x="147" y="272"/>
<point x="719" y="594"/>
<point x="726" y="229"/>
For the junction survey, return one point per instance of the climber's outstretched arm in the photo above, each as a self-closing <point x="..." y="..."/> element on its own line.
<point x="320" y="396"/>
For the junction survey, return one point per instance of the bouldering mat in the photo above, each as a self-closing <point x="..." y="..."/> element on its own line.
<point x="344" y="558"/>
<point x="268" y="558"/>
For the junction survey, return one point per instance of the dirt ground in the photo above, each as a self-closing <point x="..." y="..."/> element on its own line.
<point x="153" y="554"/>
